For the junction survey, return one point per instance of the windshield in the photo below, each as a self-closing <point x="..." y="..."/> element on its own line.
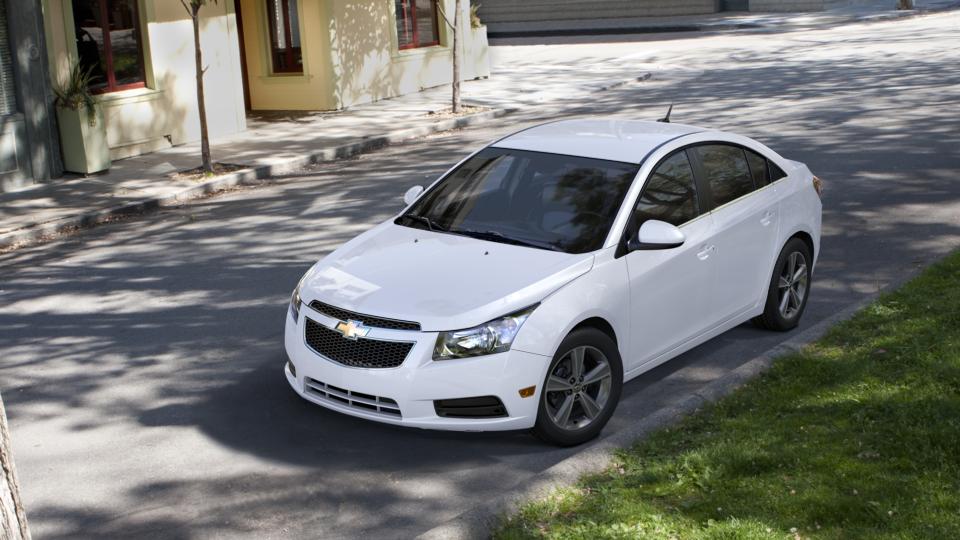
<point x="547" y="201"/>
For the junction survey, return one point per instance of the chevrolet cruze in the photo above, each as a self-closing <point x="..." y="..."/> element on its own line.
<point x="527" y="284"/>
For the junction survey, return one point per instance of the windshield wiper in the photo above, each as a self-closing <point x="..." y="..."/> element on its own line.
<point x="431" y="224"/>
<point x="495" y="236"/>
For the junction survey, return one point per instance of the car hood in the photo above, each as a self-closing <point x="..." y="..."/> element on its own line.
<point x="443" y="281"/>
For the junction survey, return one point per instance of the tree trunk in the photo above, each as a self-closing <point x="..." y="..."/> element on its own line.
<point x="13" y="519"/>
<point x="201" y="104"/>
<point x="456" y="57"/>
<point x="905" y="4"/>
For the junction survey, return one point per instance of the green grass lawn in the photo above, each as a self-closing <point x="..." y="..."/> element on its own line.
<point x="858" y="436"/>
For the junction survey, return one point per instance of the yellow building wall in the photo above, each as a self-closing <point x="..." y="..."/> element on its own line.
<point x="284" y="91"/>
<point x="351" y="57"/>
<point x="367" y="65"/>
<point x="164" y="113"/>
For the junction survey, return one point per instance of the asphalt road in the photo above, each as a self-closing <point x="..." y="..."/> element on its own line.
<point x="141" y="361"/>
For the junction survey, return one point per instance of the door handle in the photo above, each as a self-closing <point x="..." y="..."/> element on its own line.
<point x="704" y="253"/>
<point x="767" y="218"/>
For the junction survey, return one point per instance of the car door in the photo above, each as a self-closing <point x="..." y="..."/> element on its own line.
<point x="669" y="287"/>
<point x="746" y="217"/>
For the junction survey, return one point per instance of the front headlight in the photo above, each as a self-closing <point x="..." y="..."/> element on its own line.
<point x="295" y="302"/>
<point x="495" y="336"/>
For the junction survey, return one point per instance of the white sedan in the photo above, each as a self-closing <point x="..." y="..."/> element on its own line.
<point x="535" y="277"/>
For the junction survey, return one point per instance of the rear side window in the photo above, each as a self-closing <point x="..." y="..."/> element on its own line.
<point x="727" y="172"/>
<point x="670" y="194"/>
<point x="758" y="168"/>
<point x="776" y="173"/>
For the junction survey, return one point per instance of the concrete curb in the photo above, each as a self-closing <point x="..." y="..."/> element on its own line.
<point x="480" y="521"/>
<point x="40" y="232"/>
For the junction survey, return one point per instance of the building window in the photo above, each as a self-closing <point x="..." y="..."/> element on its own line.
<point x="8" y="102"/>
<point x="285" y="50"/>
<point x="417" y="23"/>
<point x="109" y="43"/>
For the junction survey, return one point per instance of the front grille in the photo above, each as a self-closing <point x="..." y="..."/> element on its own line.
<point x="475" y="407"/>
<point x="367" y="320"/>
<point x="361" y="353"/>
<point x="356" y="400"/>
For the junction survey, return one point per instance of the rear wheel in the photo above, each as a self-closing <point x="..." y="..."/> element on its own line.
<point x="789" y="288"/>
<point x="581" y="389"/>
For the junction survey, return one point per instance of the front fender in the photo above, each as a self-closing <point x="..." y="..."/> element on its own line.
<point x="602" y="292"/>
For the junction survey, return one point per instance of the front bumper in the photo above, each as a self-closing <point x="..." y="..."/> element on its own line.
<point x="416" y="383"/>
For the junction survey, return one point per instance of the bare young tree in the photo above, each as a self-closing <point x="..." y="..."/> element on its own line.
<point x="13" y="518"/>
<point x="193" y="8"/>
<point x="455" y="31"/>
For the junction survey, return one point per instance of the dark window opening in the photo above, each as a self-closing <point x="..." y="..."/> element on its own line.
<point x="286" y="54"/>
<point x="417" y="24"/>
<point x="8" y="98"/>
<point x="109" y="43"/>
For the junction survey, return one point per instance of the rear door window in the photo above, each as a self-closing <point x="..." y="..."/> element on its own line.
<point x="726" y="170"/>
<point x="758" y="168"/>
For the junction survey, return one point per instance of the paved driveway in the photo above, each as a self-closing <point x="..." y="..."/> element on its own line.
<point x="141" y="361"/>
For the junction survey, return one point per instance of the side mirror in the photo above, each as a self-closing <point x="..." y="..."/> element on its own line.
<point x="411" y="195"/>
<point x="655" y="234"/>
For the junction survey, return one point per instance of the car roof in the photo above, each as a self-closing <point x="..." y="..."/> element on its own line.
<point x="613" y="139"/>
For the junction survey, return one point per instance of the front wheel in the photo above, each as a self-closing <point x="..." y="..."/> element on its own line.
<point x="789" y="288"/>
<point x="581" y="389"/>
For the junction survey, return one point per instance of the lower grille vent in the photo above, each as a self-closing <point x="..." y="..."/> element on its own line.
<point x="356" y="400"/>
<point x="475" y="407"/>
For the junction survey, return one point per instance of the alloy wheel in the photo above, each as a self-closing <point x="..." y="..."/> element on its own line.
<point x="578" y="388"/>
<point x="792" y="285"/>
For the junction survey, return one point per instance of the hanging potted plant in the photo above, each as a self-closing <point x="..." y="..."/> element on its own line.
<point x="83" y="134"/>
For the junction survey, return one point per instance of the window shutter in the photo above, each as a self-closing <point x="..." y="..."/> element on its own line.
<point x="8" y="102"/>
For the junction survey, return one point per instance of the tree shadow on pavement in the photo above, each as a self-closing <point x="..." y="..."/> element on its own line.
<point x="151" y="351"/>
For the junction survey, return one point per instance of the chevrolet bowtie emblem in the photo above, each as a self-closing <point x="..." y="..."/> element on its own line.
<point x="352" y="329"/>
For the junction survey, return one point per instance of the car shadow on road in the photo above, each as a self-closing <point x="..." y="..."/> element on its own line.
<point x="259" y="413"/>
<point x="167" y="333"/>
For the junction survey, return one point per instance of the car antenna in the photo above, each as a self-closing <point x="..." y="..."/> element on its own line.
<point x="666" y="119"/>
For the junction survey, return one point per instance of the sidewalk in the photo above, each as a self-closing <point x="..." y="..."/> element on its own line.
<point x="525" y="78"/>
<point x="278" y="142"/>
<point x="272" y="144"/>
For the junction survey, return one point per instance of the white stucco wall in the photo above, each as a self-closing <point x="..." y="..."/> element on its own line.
<point x="165" y="112"/>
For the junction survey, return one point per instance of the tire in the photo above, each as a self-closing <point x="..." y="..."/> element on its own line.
<point x="591" y="402"/>
<point x="775" y="316"/>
